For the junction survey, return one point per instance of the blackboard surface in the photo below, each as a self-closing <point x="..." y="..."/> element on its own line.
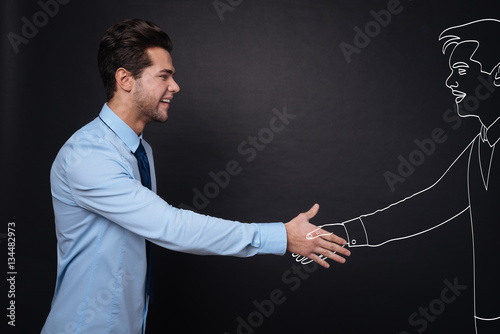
<point x="365" y="120"/>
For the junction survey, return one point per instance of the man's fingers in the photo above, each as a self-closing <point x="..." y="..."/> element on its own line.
<point x="317" y="233"/>
<point x="323" y="254"/>
<point x="333" y="255"/>
<point x="314" y="234"/>
<point x="333" y="238"/>
<point x="330" y="249"/>
<point x="334" y="247"/>
<point x="330" y="236"/>
<point x="319" y="260"/>
<point x="312" y="211"/>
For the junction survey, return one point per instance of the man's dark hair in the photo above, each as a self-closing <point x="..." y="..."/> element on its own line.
<point x="124" y="45"/>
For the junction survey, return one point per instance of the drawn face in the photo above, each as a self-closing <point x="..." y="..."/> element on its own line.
<point x="463" y="80"/>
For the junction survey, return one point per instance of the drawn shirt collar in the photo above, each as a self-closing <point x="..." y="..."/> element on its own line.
<point x="491" y="134"/>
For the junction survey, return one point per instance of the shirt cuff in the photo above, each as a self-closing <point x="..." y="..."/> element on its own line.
<point x="272" y="238"/>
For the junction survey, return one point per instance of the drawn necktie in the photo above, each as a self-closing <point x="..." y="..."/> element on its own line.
<point x="142" y="160"/>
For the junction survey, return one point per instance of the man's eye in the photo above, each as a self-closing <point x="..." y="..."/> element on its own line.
<point x="462" y="71"/>
<point x="164" y="77"/>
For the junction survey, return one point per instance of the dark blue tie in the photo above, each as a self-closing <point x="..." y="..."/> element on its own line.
<point x="142" y="160"/>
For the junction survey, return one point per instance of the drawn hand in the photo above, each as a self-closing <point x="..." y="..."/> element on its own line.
<point x="335" y="228"/>
<point x="323" y="230"/>
<point x="323" y="244"/>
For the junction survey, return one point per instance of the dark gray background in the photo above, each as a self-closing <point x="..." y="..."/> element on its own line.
<point x="352" y="122"/>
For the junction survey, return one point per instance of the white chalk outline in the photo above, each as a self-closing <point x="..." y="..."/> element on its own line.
<point x="452" y="40"/>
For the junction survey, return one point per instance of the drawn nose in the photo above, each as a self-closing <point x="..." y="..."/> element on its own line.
<point x="451" y="82"/>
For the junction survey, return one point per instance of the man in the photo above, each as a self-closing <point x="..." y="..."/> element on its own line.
<point x="470" y="185"/>
<point x="106" y="209"/>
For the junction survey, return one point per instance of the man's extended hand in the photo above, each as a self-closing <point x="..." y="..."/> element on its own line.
<point x="323" y="245"/>
<point x="335" y="228"/>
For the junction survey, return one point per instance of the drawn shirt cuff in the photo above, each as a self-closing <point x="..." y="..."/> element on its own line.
<point x="356" y="233"/>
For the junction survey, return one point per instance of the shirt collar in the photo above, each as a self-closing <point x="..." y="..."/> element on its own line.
<point x="491" y="134"/>
<point x="120" y="128"/>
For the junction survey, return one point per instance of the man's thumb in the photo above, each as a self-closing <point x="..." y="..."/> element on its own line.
<point x="312" y="211"/>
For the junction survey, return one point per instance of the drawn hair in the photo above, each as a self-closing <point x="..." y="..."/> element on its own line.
<point x="485" y="33"/>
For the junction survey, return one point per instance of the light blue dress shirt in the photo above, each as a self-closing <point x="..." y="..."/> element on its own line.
<point x="103" y="215"/>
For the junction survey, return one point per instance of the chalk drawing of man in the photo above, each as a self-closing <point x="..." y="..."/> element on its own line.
<point x="471" y="185"/>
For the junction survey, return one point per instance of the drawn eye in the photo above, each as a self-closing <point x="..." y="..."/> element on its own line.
<point x="462" y="71"/>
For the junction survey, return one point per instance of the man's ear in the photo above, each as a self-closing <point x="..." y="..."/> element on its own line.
<point x="496" y="76"/>
<point x="124" y="79"/>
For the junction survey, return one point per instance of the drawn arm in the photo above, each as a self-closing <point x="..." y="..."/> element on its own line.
<point x="419" y="213"/>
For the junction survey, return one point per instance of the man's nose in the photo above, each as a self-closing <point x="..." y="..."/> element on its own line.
<point x="174" y="87"/>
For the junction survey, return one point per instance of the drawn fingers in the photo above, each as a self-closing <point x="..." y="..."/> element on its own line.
<point x="316" y="233"/>
<point x="333" y="239"/>
<point x="320" y="231"/>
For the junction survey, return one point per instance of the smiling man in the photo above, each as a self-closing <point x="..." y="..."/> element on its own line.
<point x="153" y="91"/>
<point x="106" y="209"/>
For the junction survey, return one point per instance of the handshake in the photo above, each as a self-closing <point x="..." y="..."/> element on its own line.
<point x="309" y="243"/>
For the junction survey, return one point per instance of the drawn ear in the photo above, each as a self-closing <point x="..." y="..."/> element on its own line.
<point x="496" y="79"/>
